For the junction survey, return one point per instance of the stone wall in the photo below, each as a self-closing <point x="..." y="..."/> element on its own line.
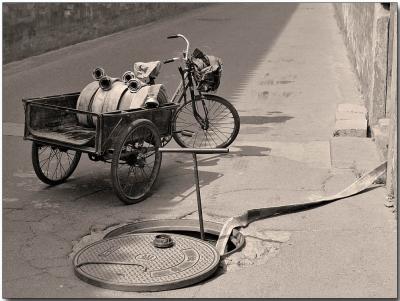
<point x="392" y="110"/>
<point x="33" y="28"/>
<point x="354" y="20"/>
<point x="370" y="33"/>
<point x="365" y="27"/>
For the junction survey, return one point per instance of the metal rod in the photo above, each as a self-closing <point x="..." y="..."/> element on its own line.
<point x="200" y="211"/>
<point x="195" y="150"/>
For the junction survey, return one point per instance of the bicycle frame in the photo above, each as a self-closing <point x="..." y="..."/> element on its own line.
<point x="181" y="92"/>
<point x="187" y="83"/>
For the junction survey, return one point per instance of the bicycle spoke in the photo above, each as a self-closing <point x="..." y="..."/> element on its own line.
<point x="220" y="110"/>
<point x="189" y="124"/>
<point x="56" y="165"/>
<point x="217" y="129"/>
<point x="213" y="140"/>
<point x="45" y="161"/>
<point x="205" y="139"/>
<point x="212" y="112"/>
<point x="195" y="138"/>
<point x="44" y="148"/>
<point x="221" y="123"/>
<point x="194" y="125"/>
<point x="150" y="168"/>
<point x="58" y="169"/>
<point x="212" y="106"/>
<point x="62" y="167"/>
<point x="219" y="137"/>
<point x="52" y="154"/>
<point x="52" y="164"/>
<point x="69" y="158"/>
<point x="219" y="132"/>
<point x="221" y="118"/>
<point x="139" y="159"/>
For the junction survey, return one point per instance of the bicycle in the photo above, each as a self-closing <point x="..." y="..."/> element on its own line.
<point x="204" y="120"/>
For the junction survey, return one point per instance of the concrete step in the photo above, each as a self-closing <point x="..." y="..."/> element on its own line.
<point x="350" y="128"/>
<point x="351" y="120"/>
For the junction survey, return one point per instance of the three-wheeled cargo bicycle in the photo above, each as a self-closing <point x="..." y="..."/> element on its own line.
<point x="129" y="139"/>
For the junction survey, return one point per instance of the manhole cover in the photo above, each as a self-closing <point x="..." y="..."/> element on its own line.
<point x="132" y="263"/>
<point x="185" y="227"/>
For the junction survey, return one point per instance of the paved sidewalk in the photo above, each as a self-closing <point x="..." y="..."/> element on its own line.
<point x="283" y="154"/>
<point x="345" y="249"/>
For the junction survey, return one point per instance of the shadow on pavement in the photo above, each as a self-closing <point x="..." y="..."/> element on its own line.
<point x="251" y="151"/>
<point x="263" y="119"/>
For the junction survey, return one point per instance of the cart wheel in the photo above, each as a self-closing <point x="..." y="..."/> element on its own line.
<point x="224" y="123"/>
<point x="136" y="161"/>
<point x="53" y="165"/>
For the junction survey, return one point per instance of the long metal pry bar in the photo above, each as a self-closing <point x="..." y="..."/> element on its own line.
<point x="194" y="152"/>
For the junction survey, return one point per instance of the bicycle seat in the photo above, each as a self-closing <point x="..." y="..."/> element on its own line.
<point x="146" y="71"/>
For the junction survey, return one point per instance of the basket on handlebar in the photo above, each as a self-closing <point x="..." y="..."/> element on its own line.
<point x="207" y="71"/>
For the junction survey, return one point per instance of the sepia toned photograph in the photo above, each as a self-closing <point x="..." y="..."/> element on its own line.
<point x="199" y="150"/>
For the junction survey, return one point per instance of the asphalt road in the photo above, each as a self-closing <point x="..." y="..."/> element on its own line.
<point x="41" y="223"/>
<point x="285" y="70"/>
<point x="224" y="30"/>
<point x="238" y="33"/>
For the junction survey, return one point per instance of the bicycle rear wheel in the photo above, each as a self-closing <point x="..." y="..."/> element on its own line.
<point x="224" y="123"/>
<point x="136" y="161"/>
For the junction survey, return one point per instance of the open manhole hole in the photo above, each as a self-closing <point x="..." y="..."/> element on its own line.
<point x="184" y="227"/>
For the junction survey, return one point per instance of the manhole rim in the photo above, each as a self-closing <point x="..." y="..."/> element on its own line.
<point x="191" y="225"/>
<point x="153" y="287"/>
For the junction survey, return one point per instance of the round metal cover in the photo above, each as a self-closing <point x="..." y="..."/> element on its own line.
<point x="132" y="263"/>
<point x="189" y="227"/>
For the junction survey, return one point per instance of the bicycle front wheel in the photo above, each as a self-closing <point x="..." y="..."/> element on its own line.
<point x="223" y="123"/>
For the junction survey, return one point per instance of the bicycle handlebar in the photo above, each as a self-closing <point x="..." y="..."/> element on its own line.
<point x="185" y="53"/>
<point x="171" y="60"/>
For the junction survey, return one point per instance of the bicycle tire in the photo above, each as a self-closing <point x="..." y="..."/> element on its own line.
<point x="141" y="188"/>
<point x="222" y="135"/>
<point x="61" y="174"/>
